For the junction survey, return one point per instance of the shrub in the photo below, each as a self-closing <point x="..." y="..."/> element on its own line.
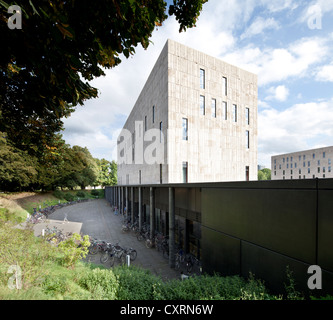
<point x="59" y="194"/>
<point x="136" y="283"/>
<point x="68" y="196"/>
<point x="81" y="194"/>
<point x="74" y="249"/>
<point x="102" y="283"/>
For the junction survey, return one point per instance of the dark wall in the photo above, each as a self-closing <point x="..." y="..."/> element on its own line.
<point x="264" y="227"/>
<point x="260" y="227"/>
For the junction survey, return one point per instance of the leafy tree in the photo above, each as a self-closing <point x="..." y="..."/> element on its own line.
<point x="264" y="174"/>
<point x="45" y="67"/>
<point x="17" y="169"/>
<point x="107" y="173"/>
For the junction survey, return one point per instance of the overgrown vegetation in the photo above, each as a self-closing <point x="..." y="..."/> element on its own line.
<point x="58" y="272"/>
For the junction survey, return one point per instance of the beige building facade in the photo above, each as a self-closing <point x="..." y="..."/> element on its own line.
<point x="307" y="164"/>
<point x="195" y="120"/>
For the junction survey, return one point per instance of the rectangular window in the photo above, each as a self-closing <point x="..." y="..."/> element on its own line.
<point x="202" y="79"/>
<point x="214" y="108"/>
<point x="247" y="173"/>
<point x="185" y="129"/>
<point x="185" y="178"/>
<point x="247" y="116"/>
<point x="202" y="105"/>
<point x="139" y="176"/>
<point x="145" y="123"/>
<point x="324" y="154"/>
<point x="225" y="110"/>
<point x="153" y="114"/>
<point x="161" y="173"/>
<point x="224" y="86"/>
<point x="234" y="113"/>
<point x="247" y="139"/>
<point x="161" y="131"/>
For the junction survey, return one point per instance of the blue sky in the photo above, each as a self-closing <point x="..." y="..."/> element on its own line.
<point x="287" y="43"/>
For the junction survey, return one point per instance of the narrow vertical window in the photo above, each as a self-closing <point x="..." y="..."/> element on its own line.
<point x="161" y="131"/>
<point x="185" y="129"/>
<point x="161" y="173"/>
<point x="185" y="177"/>
<point x="224" y="86"/>
<point x="247" y="173"/>
<point x="214" y="108"/>
<point x="247" y="139"/>
<point x="153" y="114"/>
<point x="145" y="123"/>
<point x="139" y="176"/>
<point x="225" y="110"/>
<point x="247" y="116"/>
<point x="234" y="113"/>
<point x="202" y="105"/>
<point x="202" y="79"/>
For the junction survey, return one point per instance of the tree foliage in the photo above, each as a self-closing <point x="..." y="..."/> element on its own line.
<point x="60" y="166"/>
<point x="46" y="66"/>
<point x="264" y="174"/>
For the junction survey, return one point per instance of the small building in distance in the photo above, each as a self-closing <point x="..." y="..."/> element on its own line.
<point x="307" y="164"/>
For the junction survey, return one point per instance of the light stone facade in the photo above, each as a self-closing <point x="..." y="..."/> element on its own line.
<point x="307" y="164"/>
<point x="219" y="144"/>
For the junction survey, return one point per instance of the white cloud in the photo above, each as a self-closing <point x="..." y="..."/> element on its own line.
<point x="294" y="129"/>
<point x="279" y="64"/>
<point x="279" y="93"/>
<point x="258" y="26"/>
<point x="325" y="73"/>
<point x="280" y="5"/>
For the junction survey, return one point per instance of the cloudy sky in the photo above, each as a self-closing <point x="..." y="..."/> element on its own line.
<point x="287" y="43"/>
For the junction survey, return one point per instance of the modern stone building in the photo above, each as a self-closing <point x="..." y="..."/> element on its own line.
<point x="308" y="164"/>
<point x="194" y="121"/>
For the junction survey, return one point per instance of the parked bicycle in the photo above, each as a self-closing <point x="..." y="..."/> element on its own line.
<point x="117" y="252"/>
<point x="192" y="262"/>
<point x="96" y="246"/>
<point x="179" y="259"/>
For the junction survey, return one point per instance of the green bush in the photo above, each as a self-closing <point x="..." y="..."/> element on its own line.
<point x="97" y="193"/>
<point x="59" y="194"/>
<point x="81" y="194"/>
<point x="68" y="196"/>
<point x="102" y="284"/>
<point x="74" y="249"/>
<point x="136" y="283"/>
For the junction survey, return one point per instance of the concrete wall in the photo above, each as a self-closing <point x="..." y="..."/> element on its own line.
<point x="215" y="149"/>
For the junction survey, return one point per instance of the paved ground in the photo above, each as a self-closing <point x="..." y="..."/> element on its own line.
<point x="96" y="219"/>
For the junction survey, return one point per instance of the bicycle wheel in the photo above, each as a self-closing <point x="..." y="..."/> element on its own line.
<point x="93" y="249"/>
<point x="111" y="260"/>
<point x="177" y="264"/>
<point x="133" y="254"/>
<point x="149" y="243"/>
<point x="123" y="259"/>
<point x="139" y="237"/>
<point x="189" y="267"/>
<point x="104" y="257"/>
